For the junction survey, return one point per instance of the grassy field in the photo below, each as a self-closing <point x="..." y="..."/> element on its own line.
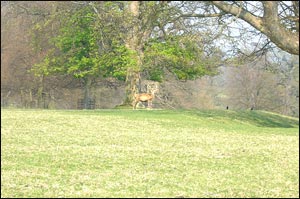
<point x="142" y="153"/>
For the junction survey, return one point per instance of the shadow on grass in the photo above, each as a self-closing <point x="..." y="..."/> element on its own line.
<point x="257" y="118"/>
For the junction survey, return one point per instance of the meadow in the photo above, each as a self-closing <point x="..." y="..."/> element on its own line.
<point x="148" y="153"/>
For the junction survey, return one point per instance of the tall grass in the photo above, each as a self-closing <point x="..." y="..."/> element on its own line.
<point x="159" y="153"/>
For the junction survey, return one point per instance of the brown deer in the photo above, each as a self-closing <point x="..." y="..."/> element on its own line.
<point x="143" y="97"/>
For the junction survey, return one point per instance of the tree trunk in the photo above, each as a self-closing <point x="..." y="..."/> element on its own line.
<point x="87" y="94"/>
<point x="132" y="79"/>
<point x="134" y="45"/>
<point x="40" y="92"/>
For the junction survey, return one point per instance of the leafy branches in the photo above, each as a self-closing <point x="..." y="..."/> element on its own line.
<point x="81" y="49"/>
<point x="180" y="55"/>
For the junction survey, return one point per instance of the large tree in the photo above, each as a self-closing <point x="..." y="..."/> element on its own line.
<point x="159" y="40"/>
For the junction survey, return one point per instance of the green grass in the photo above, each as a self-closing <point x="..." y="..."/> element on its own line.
<point x="142" y="153"/>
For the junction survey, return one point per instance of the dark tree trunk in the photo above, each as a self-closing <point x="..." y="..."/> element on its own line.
<point x="87" y="92"/>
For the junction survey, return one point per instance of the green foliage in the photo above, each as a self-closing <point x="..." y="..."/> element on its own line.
<point x="77" y="50"/>
<point x="116" y="62"/>
<point x="86" y="43"/>
<point x="177" y="54"/>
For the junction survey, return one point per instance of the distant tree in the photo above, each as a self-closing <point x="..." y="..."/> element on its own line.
<point x="265" y="84"/>
<point x="287" y="72"/>
<point x="250" y="86"/>
<point x="16" y="54"/>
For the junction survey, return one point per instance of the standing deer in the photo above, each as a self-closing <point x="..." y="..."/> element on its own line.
<point x="143" y="97"/>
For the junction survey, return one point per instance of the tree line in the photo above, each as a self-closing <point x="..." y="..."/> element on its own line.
<point x="130" y="41"/>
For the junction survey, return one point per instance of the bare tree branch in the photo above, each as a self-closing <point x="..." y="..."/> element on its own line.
<point x="269" y="24"/>
<point x="203" y="15"/>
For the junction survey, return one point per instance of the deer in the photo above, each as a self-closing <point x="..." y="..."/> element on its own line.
<point x="143" y="97"/>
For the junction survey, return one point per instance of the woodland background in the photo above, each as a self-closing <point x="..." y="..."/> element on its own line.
<point x="240" y="67"/>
